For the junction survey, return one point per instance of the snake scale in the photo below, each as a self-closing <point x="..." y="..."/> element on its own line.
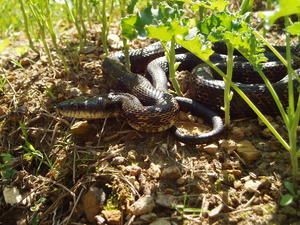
<point x="149" y="107"/>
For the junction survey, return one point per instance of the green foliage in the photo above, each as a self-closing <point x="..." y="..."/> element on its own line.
<point x="7" y="172"/>
<point x="293" y="194"/>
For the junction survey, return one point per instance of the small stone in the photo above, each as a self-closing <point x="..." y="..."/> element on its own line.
<point x="75" y="92"/>
<point x="172" y="172"/>
<point x="143" y="205"/>
<point x="118" y="160"/>
<point x="237" y="184"/>
<point x="113" y="217"/>
<point x="215" y="211"/>
<point x="134" y="170"/>
<point x="252" y="185"/>
<point x="148" y="217"/>
<point x="247" y="151"/>
<point x="93" y="202"/>
<point x="81" y="128"/>
<point x="131" y="155"/>
<point x="154" y="170"/>
<point x="238" y="133"/>
<point x="161" y="222"/>
<point x="114" y="41"/>
<point x="229" y="145"/>
<point x="25" y="62"/>
<point x="211" y="149"/>
<point x="12" y="195"/>
<point x="165" y="200"/>
<point x="100" y="220"/>
<point x="181" y="180"/>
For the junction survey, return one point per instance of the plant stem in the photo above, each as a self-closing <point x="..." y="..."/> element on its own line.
<point x="252" y="106"/>
<point x="104" y="28"/>
<point x="31" y="45"/>
<point x="173" y="67"/>
<point x="124" y="40"/>
<point x="227" y="93"/>
<point x="293" y="117"/>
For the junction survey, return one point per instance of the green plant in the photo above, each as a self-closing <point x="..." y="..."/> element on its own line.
<point x="291" y="196"/>
<point x="7" y="172"/>
<point x="32" y="152"/>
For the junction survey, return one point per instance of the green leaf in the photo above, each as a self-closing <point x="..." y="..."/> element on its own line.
<point x="6" y="157"/>
<point x="286" y="199"/>
<point x="284" y="8"/>
<point x="290" y="187"/>
<point x="21" y="50"/>
<point x="294" y="29"/>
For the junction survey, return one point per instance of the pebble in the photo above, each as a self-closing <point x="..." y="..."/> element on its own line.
<point x="75" y="92"/>
<point x="252" y="185"/>
<point x="118" y="160"/>
<point x="131" y="155"/>
<point x="165" y="200"/>
<point x="215" y="211"/>
<point x="154" y="170"/>
<point x="93" y="202"/>
<point x="247" y="151"/>
<point x="81" y="128"/>
<point x="229" y="145"/>
<point x="134" y="170"/>
<point x="99" y="220"/>
<point x="181" y="180"/>
<point x="114" y="41"/>
<point x="113" y="217"/>
<point x="150" y="217"/>
<point x="172" y="172"/>
<point x="12" y="195"/>
<point x="238" y="133"/>
<point x="143" y="205"/>
<point x="211" y="149"/>
<point x="161" y="222"/>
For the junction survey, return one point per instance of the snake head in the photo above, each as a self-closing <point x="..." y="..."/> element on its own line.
<point x="118" y="76"/>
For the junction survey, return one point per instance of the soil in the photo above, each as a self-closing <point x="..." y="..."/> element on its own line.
<point x="57" y="160"/>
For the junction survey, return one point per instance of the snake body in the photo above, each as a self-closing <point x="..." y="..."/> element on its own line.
<point x="149" y="107"/>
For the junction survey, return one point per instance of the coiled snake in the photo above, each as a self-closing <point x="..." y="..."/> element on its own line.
<point x="149" y="107"/>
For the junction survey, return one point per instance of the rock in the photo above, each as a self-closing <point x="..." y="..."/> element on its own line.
<point x="148" y="217"/>
<point x="75" y="92"/>
<point x="143" y="205"/>
<point x="113" y="217"/>
<point x="172" y="172"/>
<point x="114" y="41"/>
<point x="161" y="222"/>
<point x="81" y="128"/>
<point x="12" y="195"/>
<point x="229" y="145"/>
<point x="237" y="133"/>
<point x="247" y="151"/>
<point x="211" y="149"/>
<point x="100" y="220"/>
<point x="215" y="211"/>
<point x="25" y="62"/>
<point x="134" y="170"/>
<point x="154" y="170"/>
<point x="252" y="185"/>
<point x="93" y="202"/>
<point x="181" y="180"/>
<point x="131" y="155"/>
<point x="118" y="160"/>
<point x="165" y="200"/>
<point x="237" y="184"/>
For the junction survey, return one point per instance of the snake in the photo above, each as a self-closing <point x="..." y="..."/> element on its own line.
<point x="148" y="106"/>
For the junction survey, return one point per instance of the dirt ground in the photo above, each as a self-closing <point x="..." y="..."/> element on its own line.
<point x="68" y="171"/>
